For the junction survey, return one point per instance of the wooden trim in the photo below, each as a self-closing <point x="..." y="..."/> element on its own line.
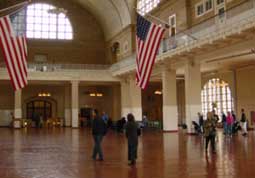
<point x="170" y="131"/>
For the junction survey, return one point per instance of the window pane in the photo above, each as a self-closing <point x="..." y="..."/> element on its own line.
<point x="216" y="91"/>
<point x="61" y="35"/>
<point x="40" y="23"/>
<point x="145" y="6"/>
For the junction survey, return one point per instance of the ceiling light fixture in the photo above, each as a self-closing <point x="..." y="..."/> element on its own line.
<point x="158" y="92"/>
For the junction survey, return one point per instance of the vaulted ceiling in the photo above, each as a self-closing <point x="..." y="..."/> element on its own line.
<point x="114" y="15"/>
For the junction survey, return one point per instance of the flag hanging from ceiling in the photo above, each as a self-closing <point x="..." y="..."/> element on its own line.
<point x="14" y="48"/>
<point x="148" y="37"/>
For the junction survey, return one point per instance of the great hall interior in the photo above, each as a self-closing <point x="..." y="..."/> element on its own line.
<point x="82" y="57"/>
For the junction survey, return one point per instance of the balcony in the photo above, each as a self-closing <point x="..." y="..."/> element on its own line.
<point x="65" y="72"/>
<point x="219" y="27"/>
<point x="48" y="67"/>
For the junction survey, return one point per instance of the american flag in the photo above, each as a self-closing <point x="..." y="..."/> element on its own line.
<point x="14" y="49"/>
<point x="148" y="37"/>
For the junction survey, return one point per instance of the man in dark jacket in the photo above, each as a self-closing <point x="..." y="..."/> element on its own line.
<point x="98" y="130"/>
<point x="132" y="132"/>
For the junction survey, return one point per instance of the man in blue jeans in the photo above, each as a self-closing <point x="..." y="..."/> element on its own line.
<point x="98" y="131"/>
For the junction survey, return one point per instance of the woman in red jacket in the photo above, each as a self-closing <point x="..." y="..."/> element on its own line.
<point x="230" y="122"/>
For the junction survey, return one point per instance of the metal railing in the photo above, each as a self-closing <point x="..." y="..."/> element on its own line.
<point x="48" y="67"/>
<point x="209" y="27"/>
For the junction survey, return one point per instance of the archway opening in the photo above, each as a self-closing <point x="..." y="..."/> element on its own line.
<point x="216" y="95"/>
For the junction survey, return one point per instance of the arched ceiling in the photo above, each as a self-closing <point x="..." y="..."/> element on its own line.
<point x="114" y="15"/>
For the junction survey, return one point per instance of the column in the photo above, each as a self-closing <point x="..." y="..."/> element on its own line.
<point x="17" y="109"/>
<point x="135" y="96"/>
<point x="67" y="106"/>
<point x="125" y="103"/>
<point x="131" y="98"/>
<point x="170" y="113"/>
<point x="192" y="93"/>
<point x="75" y="104"/>
<point x="116" y="105"/>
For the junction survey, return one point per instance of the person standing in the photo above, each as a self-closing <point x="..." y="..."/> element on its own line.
<point x="244" y="123"/>
<point x="234" y="116"/>
<point x="105" y="117"/>
<point x="132" y="132"/>
<point x="210" y="131"/>
<point x="98" y="131"/>
<point x="230" y="122"/>
<point x="224" y="123"/>
<point x="201" y="121"/>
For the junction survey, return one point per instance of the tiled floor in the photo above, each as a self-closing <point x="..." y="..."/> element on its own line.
<point x="66" y="153"/>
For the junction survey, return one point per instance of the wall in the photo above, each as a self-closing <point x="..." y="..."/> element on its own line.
<point x="227" y="76"/>
<point x="246" y="91"/>
<point x="6" y="103"/>
<point x="107" y="103"/>
<point x="57" y="97"/>
<point x="151" y="103"/>
<point x="181" y="101"/>
<point x="88" y="45"/>
<point x="126" y="40"/>
<point x="110" y="102"/>
<point x="168" y="8"/>
<point x="195" y="20"/>
<point x="242" y="85"/>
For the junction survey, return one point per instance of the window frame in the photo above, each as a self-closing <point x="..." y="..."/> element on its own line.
<point x="217" y="91"/>
<point x="212" y="5"/>
<point x="201" y="3"/>
<point x="42" y="25"/>
<point x="173" y="16"/>
<point x="205" y="11"/>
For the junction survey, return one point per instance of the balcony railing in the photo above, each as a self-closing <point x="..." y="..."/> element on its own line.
<point x="221" y="23"/>
<point x="230" y="22"/>
<point x="47" y="67"/>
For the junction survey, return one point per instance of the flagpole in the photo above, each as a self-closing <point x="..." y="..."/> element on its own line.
<point x="16" y="5"/>
<point x="167" y="25"/>
<point x="154" y="17"/>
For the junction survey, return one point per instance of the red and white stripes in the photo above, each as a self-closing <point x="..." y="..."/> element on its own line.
<point x="15" y="53"/>
<point x="146" y="54"/>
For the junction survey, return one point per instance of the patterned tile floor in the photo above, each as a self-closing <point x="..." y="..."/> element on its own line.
<point x="66" y="153"/>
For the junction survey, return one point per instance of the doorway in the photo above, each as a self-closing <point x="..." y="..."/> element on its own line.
<point x="39" y="107"/>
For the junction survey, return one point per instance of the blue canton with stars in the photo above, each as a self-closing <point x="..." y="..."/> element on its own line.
<point x="142" y="27"/>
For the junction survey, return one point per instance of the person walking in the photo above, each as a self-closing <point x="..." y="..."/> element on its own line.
<point x="132" y="133"/>
<point x="98" y="131"/>
<point x="210" y="131"/>
<point x="244" y="123"/>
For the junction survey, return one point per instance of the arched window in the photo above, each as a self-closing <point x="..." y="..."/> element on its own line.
<point x="216" y="95"/>
<point x="145" y="6"/>
<point x="43" y="22"/>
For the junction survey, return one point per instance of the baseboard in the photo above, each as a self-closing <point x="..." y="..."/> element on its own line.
<point x="170" y="131"/>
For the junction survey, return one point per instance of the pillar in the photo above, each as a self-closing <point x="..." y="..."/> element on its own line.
<point x="75" y="104"/>
<point x="67" y="106"/>
<point x="125" y="103"/>
<point x="116" y="114"/>
<point x="131" y="98"/>
<point x="192" y="93"/>
<point x="17" y="109"/>
<point x="170" y="113"/>
<point x="135" y="96"/>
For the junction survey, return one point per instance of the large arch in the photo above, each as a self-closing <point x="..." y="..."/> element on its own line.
<point x="113" y="15"/>
<point x="216" y="95"/>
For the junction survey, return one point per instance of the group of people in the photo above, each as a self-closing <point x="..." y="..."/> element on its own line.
<point x="230" y="126"/>
<point x="99" y="130"/>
